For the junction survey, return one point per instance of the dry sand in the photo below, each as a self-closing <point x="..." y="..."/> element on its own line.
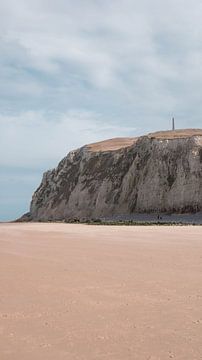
<point x="80" y="292"/>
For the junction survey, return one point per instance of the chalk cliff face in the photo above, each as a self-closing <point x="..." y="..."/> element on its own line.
<point x="160" y="172"/>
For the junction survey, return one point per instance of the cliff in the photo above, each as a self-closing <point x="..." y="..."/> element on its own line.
<point x="160" y="172"/>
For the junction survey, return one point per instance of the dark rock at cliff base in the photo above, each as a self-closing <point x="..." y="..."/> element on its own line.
<point x="160" y="172"/>
<point x="24" y="218"/>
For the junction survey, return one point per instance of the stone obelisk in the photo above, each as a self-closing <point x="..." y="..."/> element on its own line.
<point x="173" y="124"/>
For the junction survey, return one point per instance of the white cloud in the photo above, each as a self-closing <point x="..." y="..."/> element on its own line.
<point x="146" y="51"/>
<point x="33" y="139"/>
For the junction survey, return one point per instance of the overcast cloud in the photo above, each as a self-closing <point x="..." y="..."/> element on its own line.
<point x="74" y="72"/>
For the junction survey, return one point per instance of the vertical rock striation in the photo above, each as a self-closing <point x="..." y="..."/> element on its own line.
<point x="160" y="172"/>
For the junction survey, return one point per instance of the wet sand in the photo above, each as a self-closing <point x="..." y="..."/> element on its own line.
<point x="80" y="292"/>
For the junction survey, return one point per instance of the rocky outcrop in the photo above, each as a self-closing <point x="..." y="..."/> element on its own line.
<point x="160" y="172"/>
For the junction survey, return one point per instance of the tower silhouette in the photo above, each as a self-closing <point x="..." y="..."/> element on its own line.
<point x="173" y="124"/>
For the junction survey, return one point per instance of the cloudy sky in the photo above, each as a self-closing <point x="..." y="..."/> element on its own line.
<point x="75" y="71"/>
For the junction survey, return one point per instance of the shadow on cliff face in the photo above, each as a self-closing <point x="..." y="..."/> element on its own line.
<point x="153" y="175"/>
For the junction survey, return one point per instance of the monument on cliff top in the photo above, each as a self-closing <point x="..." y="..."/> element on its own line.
<point x="173" y="124"/>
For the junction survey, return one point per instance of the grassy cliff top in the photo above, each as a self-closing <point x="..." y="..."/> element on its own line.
<point x="118" y="143"/>
<point x="176" y="134"/>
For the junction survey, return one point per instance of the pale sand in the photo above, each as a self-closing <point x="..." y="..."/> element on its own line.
<point x="94" y="292"/>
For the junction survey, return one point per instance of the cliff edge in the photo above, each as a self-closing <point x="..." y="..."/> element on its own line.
<point x="159" y="172"/>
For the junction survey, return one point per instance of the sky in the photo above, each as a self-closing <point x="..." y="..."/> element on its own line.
<point x="75" y="72"/>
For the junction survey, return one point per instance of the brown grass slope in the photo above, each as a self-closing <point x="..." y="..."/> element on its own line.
<point x="123" y="142"/>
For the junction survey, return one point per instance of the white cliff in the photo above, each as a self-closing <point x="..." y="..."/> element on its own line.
<point x="160" y="172"/>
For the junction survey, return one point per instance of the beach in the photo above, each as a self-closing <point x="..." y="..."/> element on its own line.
<point x="93" y="292"/>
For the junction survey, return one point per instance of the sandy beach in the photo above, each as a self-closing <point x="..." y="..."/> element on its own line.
<point x="80" y="292"/>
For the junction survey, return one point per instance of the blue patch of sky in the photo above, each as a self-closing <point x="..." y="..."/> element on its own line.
<point x="16" y="188"/>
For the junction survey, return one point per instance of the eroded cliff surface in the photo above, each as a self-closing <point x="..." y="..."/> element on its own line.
<point x="160" y="172"/>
